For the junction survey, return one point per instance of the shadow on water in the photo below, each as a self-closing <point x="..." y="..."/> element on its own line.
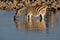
<point x="36" y="25"/>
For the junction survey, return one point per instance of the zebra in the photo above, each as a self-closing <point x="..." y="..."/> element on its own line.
<point x="32" y="11"/>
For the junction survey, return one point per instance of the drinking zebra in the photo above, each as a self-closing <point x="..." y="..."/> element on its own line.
<point x="32" y="11"/>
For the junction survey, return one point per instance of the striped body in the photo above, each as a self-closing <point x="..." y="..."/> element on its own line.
<point x="32" y="11"/>
<point x="36" y="11"/>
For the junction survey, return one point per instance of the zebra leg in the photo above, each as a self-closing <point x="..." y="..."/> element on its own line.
<point x="43" y="16"/>
<point x="29" y="17"/>
<point x="40" y="17"/>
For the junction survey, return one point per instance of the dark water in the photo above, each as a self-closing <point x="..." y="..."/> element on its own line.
<point x="29" y="30"/>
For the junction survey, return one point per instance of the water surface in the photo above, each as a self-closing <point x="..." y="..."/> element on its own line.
<point x="22" y="29"/>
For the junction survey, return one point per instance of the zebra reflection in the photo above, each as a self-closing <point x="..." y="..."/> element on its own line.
<point x="33" y="25"/>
